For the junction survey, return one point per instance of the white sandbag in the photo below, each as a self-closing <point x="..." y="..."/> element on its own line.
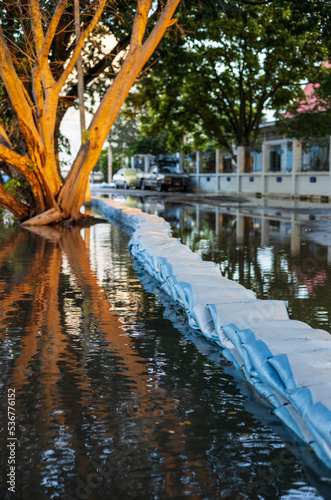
<point x="183" y="265"/>
<point x="197" y="272"/>
<point x="187" y="291"/>
<point x="154" y="247"/>
<point x="304" y="369"/>
<point x="191" y="295"/>
<point x="247" y="314"/>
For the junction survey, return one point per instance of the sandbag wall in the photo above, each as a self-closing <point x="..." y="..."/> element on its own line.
<point x="287" y="361"/>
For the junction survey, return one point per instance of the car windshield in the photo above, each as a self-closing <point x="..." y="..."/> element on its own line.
<point x="169" y="169"/>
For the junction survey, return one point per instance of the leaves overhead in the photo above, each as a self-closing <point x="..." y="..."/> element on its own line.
<point x="232" y="62"/>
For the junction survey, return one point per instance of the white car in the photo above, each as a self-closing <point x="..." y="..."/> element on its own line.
<point x="125" y="178"/>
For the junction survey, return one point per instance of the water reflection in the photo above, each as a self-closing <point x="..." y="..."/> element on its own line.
<point x="111" y="401"/>
<point x="57" y="311"/>
<point x="278" y="254"/>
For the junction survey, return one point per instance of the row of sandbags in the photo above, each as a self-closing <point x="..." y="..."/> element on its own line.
<point x="287" y="361"/>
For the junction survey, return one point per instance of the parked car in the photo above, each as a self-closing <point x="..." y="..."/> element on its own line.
<point x="125" y="178"/>
<point x="163" y="177"/>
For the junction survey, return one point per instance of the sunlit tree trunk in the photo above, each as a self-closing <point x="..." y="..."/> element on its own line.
<point x="37" y="116"/>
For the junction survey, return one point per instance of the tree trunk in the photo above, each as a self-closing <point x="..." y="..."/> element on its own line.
<point x="37" y="113"/>
<point x="19" y="209"/>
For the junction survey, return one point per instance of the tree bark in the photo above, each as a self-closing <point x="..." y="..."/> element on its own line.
<point x="19" y="209"/>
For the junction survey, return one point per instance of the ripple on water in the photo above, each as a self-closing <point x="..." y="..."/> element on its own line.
<point x="112" y="397"/>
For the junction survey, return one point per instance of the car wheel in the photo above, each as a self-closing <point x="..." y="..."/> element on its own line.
<point x="116" y="185"/>
<point x="143" y="185"/>
<point x="159" y="186"/>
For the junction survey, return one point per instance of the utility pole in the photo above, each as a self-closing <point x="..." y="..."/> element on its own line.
<point x="110" y="161"/>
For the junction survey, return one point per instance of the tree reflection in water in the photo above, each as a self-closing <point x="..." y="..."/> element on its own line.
<point x="160" y="418"/>
<point x="285" y="265"/>
<point x="51" y="323"/>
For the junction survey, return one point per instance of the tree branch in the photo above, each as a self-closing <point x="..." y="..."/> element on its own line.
<point x="93" y="73"/>
<point x="35" y="177"/>
<point x="37" y="29"/>
<point x="4" y="139"/>
<point x="14" y="88"/>
<point x="63" y="78"/>
<point x="44" y="51"/>
<point x="16" y="207"/>
<point x="140" y="23"/>
<point x="107" y="112"/>
<point x="165" y="20"/>
<point x="15" y="160"/>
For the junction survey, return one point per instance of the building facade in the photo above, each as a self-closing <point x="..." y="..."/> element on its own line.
<point x="282" y="167"/>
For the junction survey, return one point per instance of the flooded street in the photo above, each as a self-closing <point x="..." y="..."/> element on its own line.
<point x="115" y="397"/>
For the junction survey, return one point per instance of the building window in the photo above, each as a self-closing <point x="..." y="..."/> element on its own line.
<point x="275" y="158"/>
<point x="289" y="157"/>
<point x="257" y="161"/>
<point x="208" y="162"/>
<point x="315" y="156"/>
<point x="228" y="163"/>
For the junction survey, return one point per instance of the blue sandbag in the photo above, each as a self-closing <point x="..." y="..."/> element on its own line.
<point x="236" y="336"/>
<point x="282" y="366"/>
<point x="301" y="398"/>
<point x="318" y="421"/>
<point x="259" y="355"/>
<point x="284" y="414"/>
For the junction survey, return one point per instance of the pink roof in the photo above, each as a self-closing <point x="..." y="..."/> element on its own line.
<point x="311" y="103"/>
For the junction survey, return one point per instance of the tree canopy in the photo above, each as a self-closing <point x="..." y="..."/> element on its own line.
<point x="38" y="82"/>
<point x="233" y="61"/>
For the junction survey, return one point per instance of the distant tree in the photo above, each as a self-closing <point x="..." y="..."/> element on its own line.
<point x="232" y="62"/>
<point x="127" y="138"/>
<point x="38" y="54"/>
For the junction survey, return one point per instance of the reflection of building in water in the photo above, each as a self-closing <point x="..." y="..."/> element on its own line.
<point x="281" y="226"/>
<point x="272" y="254"/>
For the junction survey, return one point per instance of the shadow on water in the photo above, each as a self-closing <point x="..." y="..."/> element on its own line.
<point x="111" y="400"/>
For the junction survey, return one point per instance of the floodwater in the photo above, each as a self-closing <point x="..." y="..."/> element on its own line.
<point x="114" y="397"/>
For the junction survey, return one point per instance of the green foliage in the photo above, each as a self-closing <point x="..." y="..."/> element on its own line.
<point x="307" y="126"/>
<point x="8" y="224"/>
<point x="85" y="136"/>
<point x="310" y="118"/>
<point x="16" y="187"/>
<point x="102" y="165"/>
<point x="232" y="62"/>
